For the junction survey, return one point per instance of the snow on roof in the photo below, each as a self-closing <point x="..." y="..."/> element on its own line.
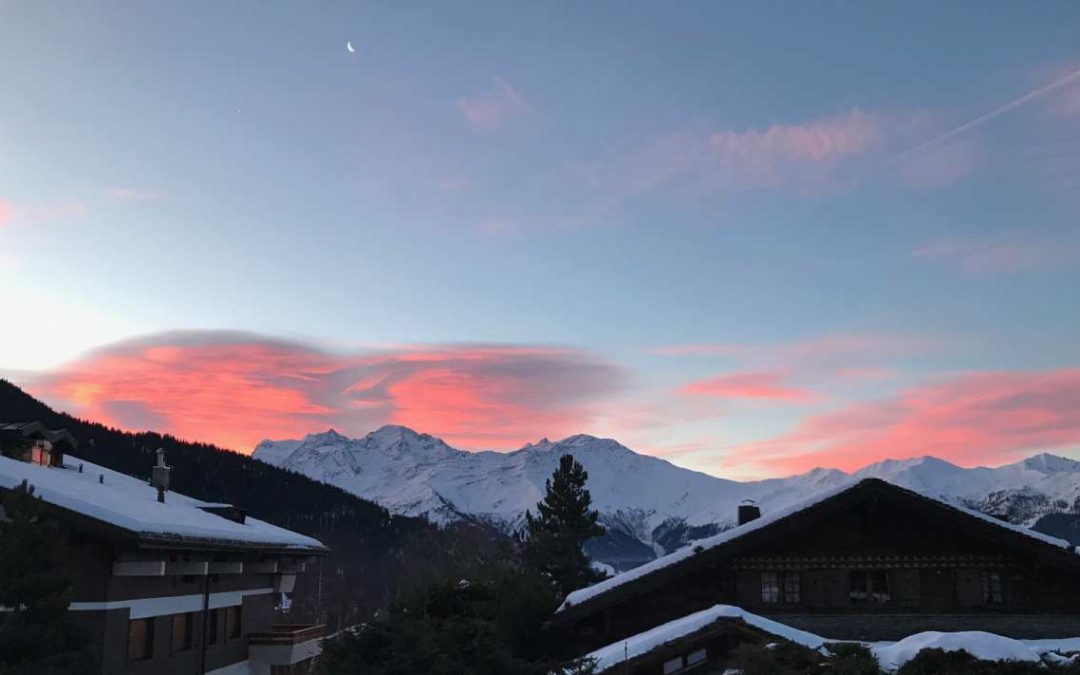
<point x="983" y="646"/>
<point x="890" y="655"/>
<point x="642" y="643"/>
<point x="131" y="504"/>
<point x="693" y="548"/>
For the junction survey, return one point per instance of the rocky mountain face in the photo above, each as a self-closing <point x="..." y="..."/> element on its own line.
<point x="648" y="505"/>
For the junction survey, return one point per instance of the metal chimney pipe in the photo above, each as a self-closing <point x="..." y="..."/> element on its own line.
<point x="160" y="476"/>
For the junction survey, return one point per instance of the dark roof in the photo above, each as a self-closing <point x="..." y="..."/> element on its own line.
<point x="707" y="551"/>
<point x="21" y="430"/>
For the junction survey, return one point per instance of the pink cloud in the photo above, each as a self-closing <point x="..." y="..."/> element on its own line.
<point x="492" y="109"/>
<point x="942" y="164"/>
<point x="237" y="389"/>
<point x="766" y="385"/>
<point x="1000" y="254"/>
<point x="23" y="212"/>
<point x="802" y="156"/>
<point x="975" y="418"/>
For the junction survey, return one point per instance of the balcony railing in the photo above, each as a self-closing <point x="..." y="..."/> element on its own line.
<point x="288" y="634"/>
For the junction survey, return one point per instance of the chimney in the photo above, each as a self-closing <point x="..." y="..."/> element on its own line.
<point x="160" y="477"/>
<point x="748" y="511"/>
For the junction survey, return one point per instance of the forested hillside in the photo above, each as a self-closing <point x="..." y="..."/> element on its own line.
<point x="374" y="554"/>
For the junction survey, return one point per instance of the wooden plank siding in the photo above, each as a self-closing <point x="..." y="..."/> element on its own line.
<point x="936" y="562"/>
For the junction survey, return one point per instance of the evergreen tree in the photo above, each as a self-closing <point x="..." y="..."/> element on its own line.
<point x="563" y="524"/>
<point x="36" y="635"/>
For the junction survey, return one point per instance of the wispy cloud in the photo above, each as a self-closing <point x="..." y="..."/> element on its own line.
<point x="975" y="418"/>
<point x="824" y="352"/>
<point x="32" y="212"/>
<point x="770" y="386"/>
<point x="235" y="389"/>
<point x="128" y="194"/>
<point x="1003" y="253"/>
<point x="491" y="109"/>
<point x="801" y="156"/>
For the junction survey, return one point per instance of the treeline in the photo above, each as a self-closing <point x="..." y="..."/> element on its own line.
<point x="489" y="617"/>
<point x="374" y="554"/>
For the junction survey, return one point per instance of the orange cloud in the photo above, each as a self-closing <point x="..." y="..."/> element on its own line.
<point x="985" y="417"/>
<point x="490" y="110"/>
<point x="235" y="389"/>
<point x="747" y="386"/>
<point x="6" y="212"/>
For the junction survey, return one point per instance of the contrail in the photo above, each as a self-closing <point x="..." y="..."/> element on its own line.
<point x="996" y="112"/>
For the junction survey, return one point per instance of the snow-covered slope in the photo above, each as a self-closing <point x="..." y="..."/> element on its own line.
<point x="649" y="505"/>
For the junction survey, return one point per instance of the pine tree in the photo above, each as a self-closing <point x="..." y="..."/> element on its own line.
<point x="36" y="635"/>
<point x="564" y="523"/>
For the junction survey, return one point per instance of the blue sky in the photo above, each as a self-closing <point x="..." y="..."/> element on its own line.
<point x="752" y="218"/>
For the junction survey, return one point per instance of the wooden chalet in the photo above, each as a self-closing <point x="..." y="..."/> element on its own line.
<point x="163" y="582"/>
<point x="869" y="561"/>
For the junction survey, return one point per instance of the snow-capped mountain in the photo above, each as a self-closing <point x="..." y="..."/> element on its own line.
<point x="649" y="505"/>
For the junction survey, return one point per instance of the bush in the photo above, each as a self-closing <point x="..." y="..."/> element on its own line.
<point x="780" y="658"/>
<point x="847" y="658"/>
<point x="939" y="662"/>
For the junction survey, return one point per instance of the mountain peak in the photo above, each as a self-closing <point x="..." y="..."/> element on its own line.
<point x="1045" y="462"/>
<point x="397" y="430"/>
<point x="329" y="436"/>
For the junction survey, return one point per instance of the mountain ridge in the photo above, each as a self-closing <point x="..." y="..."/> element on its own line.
<point x="649" y="505"/>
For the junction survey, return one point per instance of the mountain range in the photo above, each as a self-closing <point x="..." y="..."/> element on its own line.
<point x="648" y="505"/>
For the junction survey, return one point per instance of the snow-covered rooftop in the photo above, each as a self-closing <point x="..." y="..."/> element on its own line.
<point x="643" y="643"/>
<point x="694" y="548"/>
<point x="890" y="655"/>
<point x="131" y="504"/>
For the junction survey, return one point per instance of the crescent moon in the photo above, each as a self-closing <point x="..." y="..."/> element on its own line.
<point x="348" y="45"/>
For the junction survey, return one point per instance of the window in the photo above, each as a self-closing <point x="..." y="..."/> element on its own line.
<point x="792" y="587"/>
<point x="770" y="587"/>
<point x="869" y="585"/>
<point x="41" y="453"/>
<point x="673" y="666"/>
<point x="696" y="657"/>
<point x="234" y="622"/>
<point x="181" y="631"/>
<point x="777" y="587"/>
<point x="140" y="639"/>
<point x="212" y="628"/>
<point x="991" y="588"/>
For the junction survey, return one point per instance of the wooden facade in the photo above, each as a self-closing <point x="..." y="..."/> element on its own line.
<point x="191" y="590"/>
<point x="873" y="562"/>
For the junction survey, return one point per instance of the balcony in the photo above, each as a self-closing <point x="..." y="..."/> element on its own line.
<point x="286" y="644"/>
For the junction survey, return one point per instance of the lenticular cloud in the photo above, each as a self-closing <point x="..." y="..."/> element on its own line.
<point x="235" y="389"/>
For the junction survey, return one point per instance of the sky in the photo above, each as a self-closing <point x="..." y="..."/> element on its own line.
<point x="751" y="238"/>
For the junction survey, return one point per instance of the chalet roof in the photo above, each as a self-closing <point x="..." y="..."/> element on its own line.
<point x="692" y="551"/>
<point x="130" y="505"/>
<point x="36" y="430"/>
<point x="891" y="655"/>
<point x="638" y="645"/>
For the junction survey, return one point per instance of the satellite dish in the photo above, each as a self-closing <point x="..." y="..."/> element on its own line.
<point x="348" y="45"/>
